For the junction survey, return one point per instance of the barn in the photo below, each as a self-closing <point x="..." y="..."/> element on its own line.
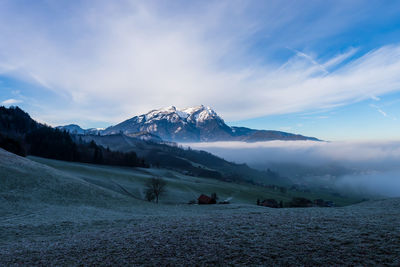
<point x="203" y="199"/>
<point x="271" y="203"/>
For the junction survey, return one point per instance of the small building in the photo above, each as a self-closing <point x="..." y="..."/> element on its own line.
<point x="271" y="203"/>
<point x="300" y="202"/>
<point x="323" y="203"/>
<point x="203" y="199"/>
<point x="319" y="203"/>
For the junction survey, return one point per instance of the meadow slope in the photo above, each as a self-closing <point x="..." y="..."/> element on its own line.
<point x="59" y="213"/>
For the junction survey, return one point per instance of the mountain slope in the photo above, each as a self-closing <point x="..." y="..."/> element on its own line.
<point x="196" y="124"/>
<point x="191" y="162"/>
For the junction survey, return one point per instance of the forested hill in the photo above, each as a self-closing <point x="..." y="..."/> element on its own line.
<point x="189" y="161"/>
<point x="20" y="134"/>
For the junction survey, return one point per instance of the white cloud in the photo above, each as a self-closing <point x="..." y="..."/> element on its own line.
<point x="314" y="62"/>
<point x="308" y="152"/>
<point x="10" y="101"/>
<point x="384" y="114"/>
<point x="340" y="58"/>
<point x="137" y="56"/>
<point x="375" y="98"/>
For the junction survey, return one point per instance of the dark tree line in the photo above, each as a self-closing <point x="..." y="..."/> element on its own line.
<point x="15" y="121"/>
<point x="13" y="145"/>
<point x="93" y="153"/>
<point x="21" y="135"/>
<point x="51" y="143"/>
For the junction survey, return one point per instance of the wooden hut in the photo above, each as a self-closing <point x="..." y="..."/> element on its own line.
<point x="203" y="199"/>
<point x="271" y="203"/>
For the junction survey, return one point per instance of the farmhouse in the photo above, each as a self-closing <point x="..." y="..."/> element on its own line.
<point x="323" y="203"/>
<point x="203" y="199"/>
<point x="271" y="203"/>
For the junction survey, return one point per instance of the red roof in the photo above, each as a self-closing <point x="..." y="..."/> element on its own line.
<point x="203" y="199"/>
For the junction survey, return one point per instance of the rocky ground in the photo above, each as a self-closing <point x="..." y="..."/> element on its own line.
<point x="367" y="234"/>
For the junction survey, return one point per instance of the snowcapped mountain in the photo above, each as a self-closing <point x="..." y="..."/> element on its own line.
<point x="187" y="125"/>
<point x="195" y="124"/>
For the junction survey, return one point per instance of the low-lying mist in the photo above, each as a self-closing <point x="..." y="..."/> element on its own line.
<point x="364" y="167"/>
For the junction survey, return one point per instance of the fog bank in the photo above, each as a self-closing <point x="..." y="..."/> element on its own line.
<point x="362" y="166"/>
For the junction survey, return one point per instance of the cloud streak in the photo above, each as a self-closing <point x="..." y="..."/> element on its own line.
<point x="10" y="101"/>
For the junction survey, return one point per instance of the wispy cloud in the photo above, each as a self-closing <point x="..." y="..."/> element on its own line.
<point x="312" y="60"/>
<point x="373" y="97"/>
<point x="10" y="101"/>
<point x="135" y="56"/>
<point x="340" y="58"/>
<point x="384" y="114"/>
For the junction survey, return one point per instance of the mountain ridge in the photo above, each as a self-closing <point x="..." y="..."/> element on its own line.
<point x="195" y="124"/>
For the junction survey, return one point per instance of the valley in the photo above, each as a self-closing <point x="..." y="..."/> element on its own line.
<point x="199" y="133"/>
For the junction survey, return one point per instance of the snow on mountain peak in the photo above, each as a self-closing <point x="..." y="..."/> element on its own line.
<point x="205" y="114"/>
<point x="200" y="113"/>
<point x="182" y="114"/>
<point x="169" y="109"/>
<point x="192" y="110"/>
<point x="171" y="113"/>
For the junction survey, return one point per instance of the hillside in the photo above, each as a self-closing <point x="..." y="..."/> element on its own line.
<point x="36" y="180"/>
<point x="26" y="185"/>
<point x="193" y="162"/>
<point x="181" y="188"/>
<point x="65" y="213"/>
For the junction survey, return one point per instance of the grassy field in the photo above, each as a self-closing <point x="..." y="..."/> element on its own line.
<point x="181" y="188"/>
<point x="33" y="184"/>
<point x="57" y="213"/>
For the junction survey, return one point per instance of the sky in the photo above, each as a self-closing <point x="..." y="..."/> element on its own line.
<point x="329" y="69"/>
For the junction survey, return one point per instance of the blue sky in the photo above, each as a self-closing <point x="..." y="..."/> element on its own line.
<point x="371" y="119"/>
<point x="329" y="69"/>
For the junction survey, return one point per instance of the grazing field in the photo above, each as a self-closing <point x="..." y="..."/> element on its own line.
<point x="181" y="188"/>
<point x="59" y="213"/>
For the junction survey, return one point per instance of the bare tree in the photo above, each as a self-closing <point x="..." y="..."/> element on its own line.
<point x="154" y="188"/>
<point x="149" y="195"/>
